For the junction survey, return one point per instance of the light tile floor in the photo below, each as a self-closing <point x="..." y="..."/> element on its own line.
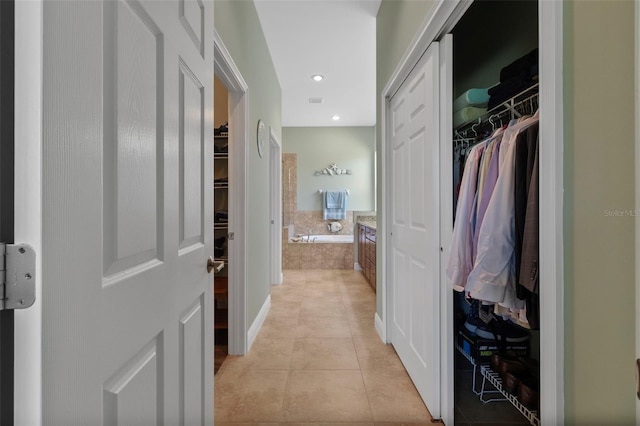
<point x="318" y="359"/>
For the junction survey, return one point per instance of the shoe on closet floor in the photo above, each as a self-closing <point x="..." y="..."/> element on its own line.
<point x="497" y="328"/>
<point x="528" y="393"/>
<point x="473" y="319"/>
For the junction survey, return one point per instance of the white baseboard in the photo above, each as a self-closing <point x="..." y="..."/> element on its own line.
<point x="280" y="280"/>
<point x="257" y="323"/>
<point x="357" y="266"/>
<point x="380" y="328"/>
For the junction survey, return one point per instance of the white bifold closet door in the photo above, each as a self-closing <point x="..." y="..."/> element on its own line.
<point x="414" y="256"/>
<point x="127" y="212"/>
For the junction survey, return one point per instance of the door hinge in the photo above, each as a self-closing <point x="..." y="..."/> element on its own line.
<point x="17" y="276"/>
<point x="231" y="236"/>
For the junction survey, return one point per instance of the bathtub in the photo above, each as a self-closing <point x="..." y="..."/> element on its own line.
<point x="347" y="239"/>
<point x="327" y="252"/>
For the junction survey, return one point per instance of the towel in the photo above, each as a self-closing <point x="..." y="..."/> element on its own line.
<point x="334" y="199"/>
<point x="472" y="97"/>
<point x="335" y="205"/>
<point x="467" y="114"/>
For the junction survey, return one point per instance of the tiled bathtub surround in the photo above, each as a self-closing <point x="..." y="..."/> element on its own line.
<point x="312" y="220"/>
<point x="289" y="188"/>
<point x="315" y="255"/>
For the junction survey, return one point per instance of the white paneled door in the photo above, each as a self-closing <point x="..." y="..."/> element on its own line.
<point x="414" y="256"/>
<point x="127" y="212"/>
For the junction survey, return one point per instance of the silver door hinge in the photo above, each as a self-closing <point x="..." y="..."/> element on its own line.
<point x="17" y="276"/>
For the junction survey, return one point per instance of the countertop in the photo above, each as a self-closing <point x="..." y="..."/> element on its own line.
<point x="368" y="223"/>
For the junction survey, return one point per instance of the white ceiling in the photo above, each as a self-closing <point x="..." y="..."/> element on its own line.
<point x="335" y="38"/>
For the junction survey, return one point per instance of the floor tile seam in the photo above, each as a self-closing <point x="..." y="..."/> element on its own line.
<point x="366" y="393"/>
<point x="284" y="392"/>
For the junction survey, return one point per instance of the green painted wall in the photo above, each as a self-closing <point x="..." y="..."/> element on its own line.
<point x="599" y="179"/>
<point x="350" y="148"/>
<point x="476" y="66"/>
<point x="396" y="26"/>
<point x="238" y="25"/>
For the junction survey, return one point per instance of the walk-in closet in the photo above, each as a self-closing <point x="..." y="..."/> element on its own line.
<point x="493" y="263"/>
<point x="221" y="188"/>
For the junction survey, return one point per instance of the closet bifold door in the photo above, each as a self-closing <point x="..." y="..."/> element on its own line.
<point x="414" y="248"/>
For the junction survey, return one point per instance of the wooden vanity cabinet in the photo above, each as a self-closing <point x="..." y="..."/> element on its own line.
<point x="367" y="253"/>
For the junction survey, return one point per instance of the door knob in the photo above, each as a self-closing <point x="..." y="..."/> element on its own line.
<point x="210" y="264"/>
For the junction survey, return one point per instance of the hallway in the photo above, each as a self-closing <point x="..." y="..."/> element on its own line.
<point x="318" y="358"/>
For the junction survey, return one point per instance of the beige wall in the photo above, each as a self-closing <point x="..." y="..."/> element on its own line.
<point x="599" y="179"/>
<point x="238" y="25"/>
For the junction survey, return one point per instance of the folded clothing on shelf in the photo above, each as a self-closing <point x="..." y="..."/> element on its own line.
<point x="221" y="216"/>
<point x="508" y="89"/>
<point x="523" y="63"/>
<point x="221" y="149"/>
<point x="467" y="114"/>
<point x="514" y="78"/>
<point x="222" y="130"/>
<point x="471" y="98"/>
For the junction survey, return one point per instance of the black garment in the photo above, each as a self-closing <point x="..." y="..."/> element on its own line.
<point x="525" y="150"/>
<point x="523" y="63"/>
<point x="509" y="88"/>
<point x="514" y="78"/>
<point x="527" y="270"/>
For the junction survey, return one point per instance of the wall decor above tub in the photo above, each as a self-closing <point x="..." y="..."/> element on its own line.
<point x="332" y="170"/>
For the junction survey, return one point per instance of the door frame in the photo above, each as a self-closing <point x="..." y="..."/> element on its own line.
<point x="275" y="201"/>
<point x="7" y="142"/>
<point x="637" y="206"/>
<point x="229" y="74"/>
<point x="439" y="21"/>
<point x="28" y="204"/>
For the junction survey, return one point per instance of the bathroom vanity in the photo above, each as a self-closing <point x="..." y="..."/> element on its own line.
<point x="367" y="251"/>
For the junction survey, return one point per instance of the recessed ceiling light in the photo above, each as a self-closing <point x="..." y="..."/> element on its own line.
<point x="335" y="118"/>
<point x="317" y="77"/>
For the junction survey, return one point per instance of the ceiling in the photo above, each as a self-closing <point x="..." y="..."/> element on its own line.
<point x="334" y="38"/>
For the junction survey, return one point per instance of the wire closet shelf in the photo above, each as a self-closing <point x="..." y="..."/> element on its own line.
<point x="524" y="103"/>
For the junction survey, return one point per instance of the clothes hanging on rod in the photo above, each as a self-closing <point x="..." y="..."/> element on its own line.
<point x="500" y="172"/>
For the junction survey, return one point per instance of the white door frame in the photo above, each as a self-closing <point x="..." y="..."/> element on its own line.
<point x="275" y="200"/>
<point x="28" y="204"/>
<point x="637" y="206"/>
<point x="229" y="74"/>
<point x="440" y="20"/>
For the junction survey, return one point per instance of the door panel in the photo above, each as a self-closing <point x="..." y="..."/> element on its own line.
<point x="191" y="101"/>
<point x="414" y="269"/>
<point x="192" y="18"/>
<point x="127" y="301"/>
<point x="127" y="399"/>
<point x="132" y="117"/>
